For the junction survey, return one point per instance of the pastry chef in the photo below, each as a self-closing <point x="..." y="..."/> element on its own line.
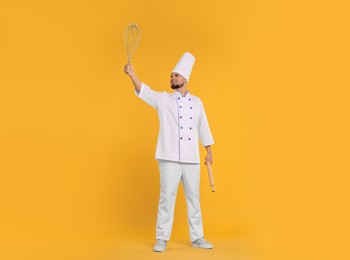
<point x="183" y="123"/>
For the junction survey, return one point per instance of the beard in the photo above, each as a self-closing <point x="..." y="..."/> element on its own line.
<point x="176" y="86"/>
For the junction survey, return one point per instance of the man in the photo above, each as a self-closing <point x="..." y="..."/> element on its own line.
<point x="182" y="122"/>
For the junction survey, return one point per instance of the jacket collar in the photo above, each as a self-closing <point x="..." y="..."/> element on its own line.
<point x="178" y="94"/>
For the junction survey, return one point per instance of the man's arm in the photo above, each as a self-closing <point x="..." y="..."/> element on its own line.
<point x="205" y="135"/>
<point x="129" y="70"/>
<point x="143" y="91"/>
<point x="209" y="157"/>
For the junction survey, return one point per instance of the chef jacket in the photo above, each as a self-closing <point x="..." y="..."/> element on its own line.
<point x="182" y="122"/>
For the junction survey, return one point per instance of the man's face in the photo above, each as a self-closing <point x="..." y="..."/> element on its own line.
<point x="176" y="80"/>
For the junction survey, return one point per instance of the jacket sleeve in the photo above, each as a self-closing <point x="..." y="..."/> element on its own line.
<point x="151" y="97"/>
<point x="204" y="130"/>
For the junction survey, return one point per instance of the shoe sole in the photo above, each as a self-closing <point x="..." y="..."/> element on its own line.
<point x="158" y="250"/>
<point x="204" y="247"/>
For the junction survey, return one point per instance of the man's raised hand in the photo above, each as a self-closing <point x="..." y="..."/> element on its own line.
<point x="129" y="69"/>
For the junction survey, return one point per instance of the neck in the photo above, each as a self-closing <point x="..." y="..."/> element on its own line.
<point x="182" y="90"/>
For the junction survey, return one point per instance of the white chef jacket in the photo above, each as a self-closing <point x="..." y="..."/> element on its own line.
<point x="182" y="122"/>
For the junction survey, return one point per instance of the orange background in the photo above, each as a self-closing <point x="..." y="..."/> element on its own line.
<point x="78" y="175"/>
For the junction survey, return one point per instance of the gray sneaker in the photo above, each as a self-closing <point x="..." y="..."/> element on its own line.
<point x="159" y="246"/>
<point x="202" y="243"/>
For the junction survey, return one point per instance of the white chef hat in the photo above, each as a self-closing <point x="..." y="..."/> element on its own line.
<point x="184" y="65"/>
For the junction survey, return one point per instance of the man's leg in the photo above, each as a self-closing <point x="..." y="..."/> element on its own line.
<point x="190" y="180"/>
<point x="170" y="176"/>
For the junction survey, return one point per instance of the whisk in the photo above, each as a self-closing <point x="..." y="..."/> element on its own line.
<point x="132" y="34"/>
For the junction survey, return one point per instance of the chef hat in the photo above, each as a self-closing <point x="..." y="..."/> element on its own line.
<point x="184" y="65"/>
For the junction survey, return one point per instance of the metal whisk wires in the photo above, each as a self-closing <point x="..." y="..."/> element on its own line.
<point x="132" y="34"/>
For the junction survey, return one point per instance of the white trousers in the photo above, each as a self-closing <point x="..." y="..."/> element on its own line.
<point x="170" y="175"/>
